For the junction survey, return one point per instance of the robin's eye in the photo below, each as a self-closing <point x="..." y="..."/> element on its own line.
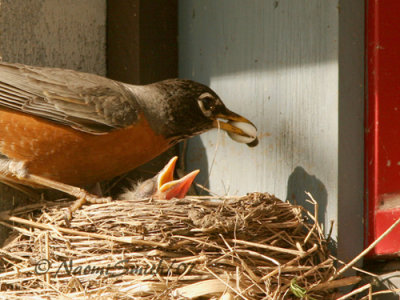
<point x="207" y="104"/>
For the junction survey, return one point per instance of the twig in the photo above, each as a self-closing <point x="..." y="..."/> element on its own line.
<point x="272" y="248"/>
<point x="356" y="291"/>
<point x="226" y="284"/>
<point x="128" y="240"/>
<point x="46" y="235"/>
<point x="354" y="268"/>
<point x="363" y="253"/>
<point x="333" y="284"/>
<point x="294" y="260"/>
<point x="382" y="293"/>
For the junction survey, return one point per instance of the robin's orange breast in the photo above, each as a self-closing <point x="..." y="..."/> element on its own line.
<point x="74" y="157"/>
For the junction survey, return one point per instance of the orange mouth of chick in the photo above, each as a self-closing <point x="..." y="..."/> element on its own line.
<point x="170" y="188"/>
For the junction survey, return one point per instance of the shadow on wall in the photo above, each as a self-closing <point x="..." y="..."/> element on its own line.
<point x="198" y="160"/>
<point x="300" y="182"/>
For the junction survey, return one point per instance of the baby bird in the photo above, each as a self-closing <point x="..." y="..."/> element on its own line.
<point x="162" y="185"/>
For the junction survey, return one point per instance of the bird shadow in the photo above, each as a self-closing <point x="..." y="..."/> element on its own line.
<point x="300" y="182"/>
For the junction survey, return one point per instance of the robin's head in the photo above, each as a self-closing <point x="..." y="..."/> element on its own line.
<point x="180" y="108"/>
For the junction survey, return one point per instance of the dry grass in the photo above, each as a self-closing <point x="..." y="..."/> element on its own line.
<point x="252" y="247"/>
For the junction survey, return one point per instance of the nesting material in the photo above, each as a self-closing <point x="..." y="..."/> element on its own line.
<point x="252" y="247"/>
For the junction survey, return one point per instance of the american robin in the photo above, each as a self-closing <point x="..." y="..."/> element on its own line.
<point x="62" y="128"/>
<point x="162" y="185"/>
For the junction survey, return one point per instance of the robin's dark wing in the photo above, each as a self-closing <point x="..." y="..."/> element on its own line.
<point x="86" y="102"/>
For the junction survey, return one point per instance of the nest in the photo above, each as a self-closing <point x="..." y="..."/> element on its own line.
<point x="251" y="247"/>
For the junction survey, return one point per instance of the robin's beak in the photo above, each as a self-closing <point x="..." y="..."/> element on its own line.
<point x="168" y="188"/>
<point x="239" y="128"/>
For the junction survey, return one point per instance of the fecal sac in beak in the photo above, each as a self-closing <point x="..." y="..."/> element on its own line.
<point x="238" y="128"/>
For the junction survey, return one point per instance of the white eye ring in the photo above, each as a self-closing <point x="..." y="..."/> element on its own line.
<point x="206" y="112"/>
<point x="206" y="95"/>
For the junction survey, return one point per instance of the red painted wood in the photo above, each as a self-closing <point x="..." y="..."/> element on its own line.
<point x="382" y="147"/>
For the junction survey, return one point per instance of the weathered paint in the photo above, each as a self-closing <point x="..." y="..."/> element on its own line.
<point x="275" y="62"/>
<point x="53" y="33"/>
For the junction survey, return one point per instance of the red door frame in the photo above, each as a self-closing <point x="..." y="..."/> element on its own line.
<point x="382" y="132"/>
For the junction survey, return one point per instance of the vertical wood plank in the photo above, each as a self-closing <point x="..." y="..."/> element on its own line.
<point x="142" y="48"/>
<point x="351" y="129"/>
<point x="142" y="40"/>
<point x="123" y="40"/>
<point x="275" y="62"/>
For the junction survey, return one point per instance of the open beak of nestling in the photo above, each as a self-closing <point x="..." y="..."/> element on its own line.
<point x="238" y="128"/>
<point x="167" y="187"/>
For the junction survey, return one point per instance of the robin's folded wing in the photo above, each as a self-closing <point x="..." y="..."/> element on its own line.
<point x="86" y="102"/>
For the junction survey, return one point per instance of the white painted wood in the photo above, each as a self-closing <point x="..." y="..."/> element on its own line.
<point x="275" y="62"/>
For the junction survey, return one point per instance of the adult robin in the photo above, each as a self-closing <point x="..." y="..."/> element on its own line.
<point x="162" y="185"/>
<point x="62" y="128"/>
